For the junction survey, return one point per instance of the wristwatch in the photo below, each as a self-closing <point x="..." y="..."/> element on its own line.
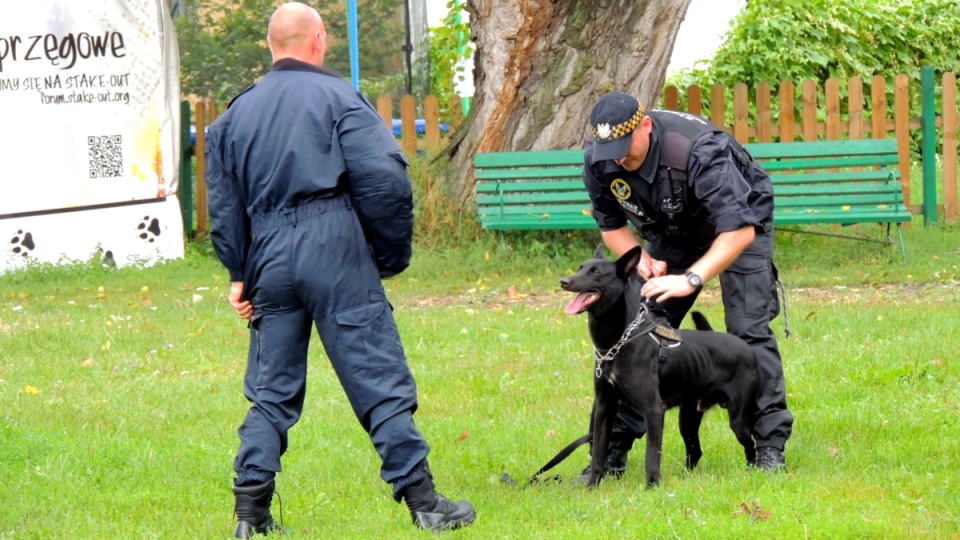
<point x="694" y="280"/>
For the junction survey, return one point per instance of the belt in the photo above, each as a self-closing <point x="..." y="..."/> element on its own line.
<point x="292" y="216"/>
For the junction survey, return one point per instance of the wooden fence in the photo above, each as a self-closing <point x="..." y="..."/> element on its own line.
<point x="835" y="119"/>
<point x="794" y="113"/>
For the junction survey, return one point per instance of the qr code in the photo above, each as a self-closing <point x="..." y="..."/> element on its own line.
<point x="106" y="156"/>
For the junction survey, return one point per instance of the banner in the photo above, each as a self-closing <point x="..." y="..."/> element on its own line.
<point x="89" y="94"/>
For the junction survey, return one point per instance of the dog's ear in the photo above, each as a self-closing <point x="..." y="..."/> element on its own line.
<point x="628" y="261"/>
<point x="599" y="253"/>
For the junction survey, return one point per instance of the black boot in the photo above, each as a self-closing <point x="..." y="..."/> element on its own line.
<point x="432" y="511"/>
<point x="615" y="465"/>
<point x="770" y="459"/>
<point x="252" y="507"/>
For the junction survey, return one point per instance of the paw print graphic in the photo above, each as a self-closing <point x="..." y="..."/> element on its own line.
<point x="22" y="243"/>
<point x="148" y="229"/>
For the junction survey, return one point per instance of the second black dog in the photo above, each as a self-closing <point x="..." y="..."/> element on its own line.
<point x="639" y="358"/>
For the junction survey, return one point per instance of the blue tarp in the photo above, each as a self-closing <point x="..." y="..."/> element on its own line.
<point x="420" y="124"/>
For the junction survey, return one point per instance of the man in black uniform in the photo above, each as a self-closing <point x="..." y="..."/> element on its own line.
<point x="311" y="206"/>
<point x="705" y="209"/>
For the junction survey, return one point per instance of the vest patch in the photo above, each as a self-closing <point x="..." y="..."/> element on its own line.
<point x="620" y="189"/>
<point x="630" y="207"/>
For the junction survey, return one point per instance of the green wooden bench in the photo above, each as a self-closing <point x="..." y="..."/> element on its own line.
<point x="823" y="182"/>
<point x="532" y="190"/>
<point x="836" y="182"/>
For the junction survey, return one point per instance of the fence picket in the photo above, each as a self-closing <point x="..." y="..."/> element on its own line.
<point x="832" y="93"/>
<point x="901" y="119"/>
<point x="950" y="206"/>
<point x="809" y="114"/>
<point x="764" y="118"/>
<point x="671" y="98"/>
<point x="855" y="107"/>
<point x="718" y="107"/>
<point x="741" y="112"/>
<point x="787" y="115"/>
<point x="695" y="100"/>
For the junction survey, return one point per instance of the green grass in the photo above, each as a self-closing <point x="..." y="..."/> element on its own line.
<point x="122" y="395"/>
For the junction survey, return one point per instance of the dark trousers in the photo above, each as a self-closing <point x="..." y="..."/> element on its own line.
<point x="312" y="266"/>
<point x="749" y="295"/>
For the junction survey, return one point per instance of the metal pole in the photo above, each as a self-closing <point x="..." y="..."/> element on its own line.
<point x="408" y="48"/>
<point x="928" y="145"/>
<point x="354" y="46"/>
<point x="461" y="49"/>
<point x="185" y="184"/>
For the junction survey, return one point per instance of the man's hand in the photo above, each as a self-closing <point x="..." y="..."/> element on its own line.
<point x="244" y="309"/>
<point x="665" y="287"/>
<point x="648" y="267"/>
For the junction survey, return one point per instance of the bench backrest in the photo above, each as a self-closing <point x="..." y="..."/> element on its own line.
<point x="843" y="181"/>
<point x="532" y="190"/>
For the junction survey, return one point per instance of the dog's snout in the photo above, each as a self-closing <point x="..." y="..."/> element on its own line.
<point x="564" y="283"/>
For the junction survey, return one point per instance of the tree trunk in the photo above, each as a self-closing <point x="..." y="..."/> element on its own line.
<point x="540" y="65"/>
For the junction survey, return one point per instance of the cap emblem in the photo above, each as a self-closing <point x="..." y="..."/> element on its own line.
<point x="603" y="131"/>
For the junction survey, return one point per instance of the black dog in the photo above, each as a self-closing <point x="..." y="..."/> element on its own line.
<point x="641" y="359"/>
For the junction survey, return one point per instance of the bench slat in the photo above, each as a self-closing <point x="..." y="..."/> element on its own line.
<point x="529" y="159"/>
<point x="531" y="198"/>
<point x="536" y="209"/>
<point x="551" y="223"/>
<point x="890" y="191"/>
<point x="835" y="201"/>
<point x="845" y="147"/>
<point x="544" y="173"/>
<point x="850" y="218"/>
<point x="509" y="187"/>
<point x="829" y="163"/>
<point x="886" y="176"/>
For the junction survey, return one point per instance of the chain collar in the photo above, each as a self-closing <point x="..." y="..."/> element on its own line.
<point x="628" y="335"/>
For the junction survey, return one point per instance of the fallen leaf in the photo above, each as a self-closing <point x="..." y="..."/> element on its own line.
<point x="464" y="436"/>
<point x="754" y="511"/>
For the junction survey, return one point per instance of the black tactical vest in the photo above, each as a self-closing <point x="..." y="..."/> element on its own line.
<point x="676" y="133"/>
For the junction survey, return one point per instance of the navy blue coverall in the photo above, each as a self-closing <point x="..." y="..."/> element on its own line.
<point x="722" y="195"/>
<point x="311" y="206"/>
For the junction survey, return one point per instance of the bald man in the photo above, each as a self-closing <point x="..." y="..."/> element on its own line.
<point x="311" y="208"/>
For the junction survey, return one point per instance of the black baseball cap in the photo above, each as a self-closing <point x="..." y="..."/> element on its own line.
<point x="612" y="121"/>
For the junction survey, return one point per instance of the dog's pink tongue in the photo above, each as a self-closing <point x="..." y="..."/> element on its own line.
<point x="577" y="304"/>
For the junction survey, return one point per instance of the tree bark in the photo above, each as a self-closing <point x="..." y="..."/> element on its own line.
<point x="540" y="65"/>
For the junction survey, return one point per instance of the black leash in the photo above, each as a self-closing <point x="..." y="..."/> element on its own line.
<point x="783" y="295"/>
<point x="557" y="459"/>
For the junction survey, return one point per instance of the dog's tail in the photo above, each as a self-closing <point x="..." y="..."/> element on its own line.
<point x="700" y="321"/>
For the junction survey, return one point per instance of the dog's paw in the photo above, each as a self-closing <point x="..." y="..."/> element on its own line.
<point x="148" y="229"/>
<point x="22" y="243"/>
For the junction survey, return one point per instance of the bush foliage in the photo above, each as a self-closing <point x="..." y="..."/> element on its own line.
<point x="777" y="40"/>
<point x="449" y="48"/>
